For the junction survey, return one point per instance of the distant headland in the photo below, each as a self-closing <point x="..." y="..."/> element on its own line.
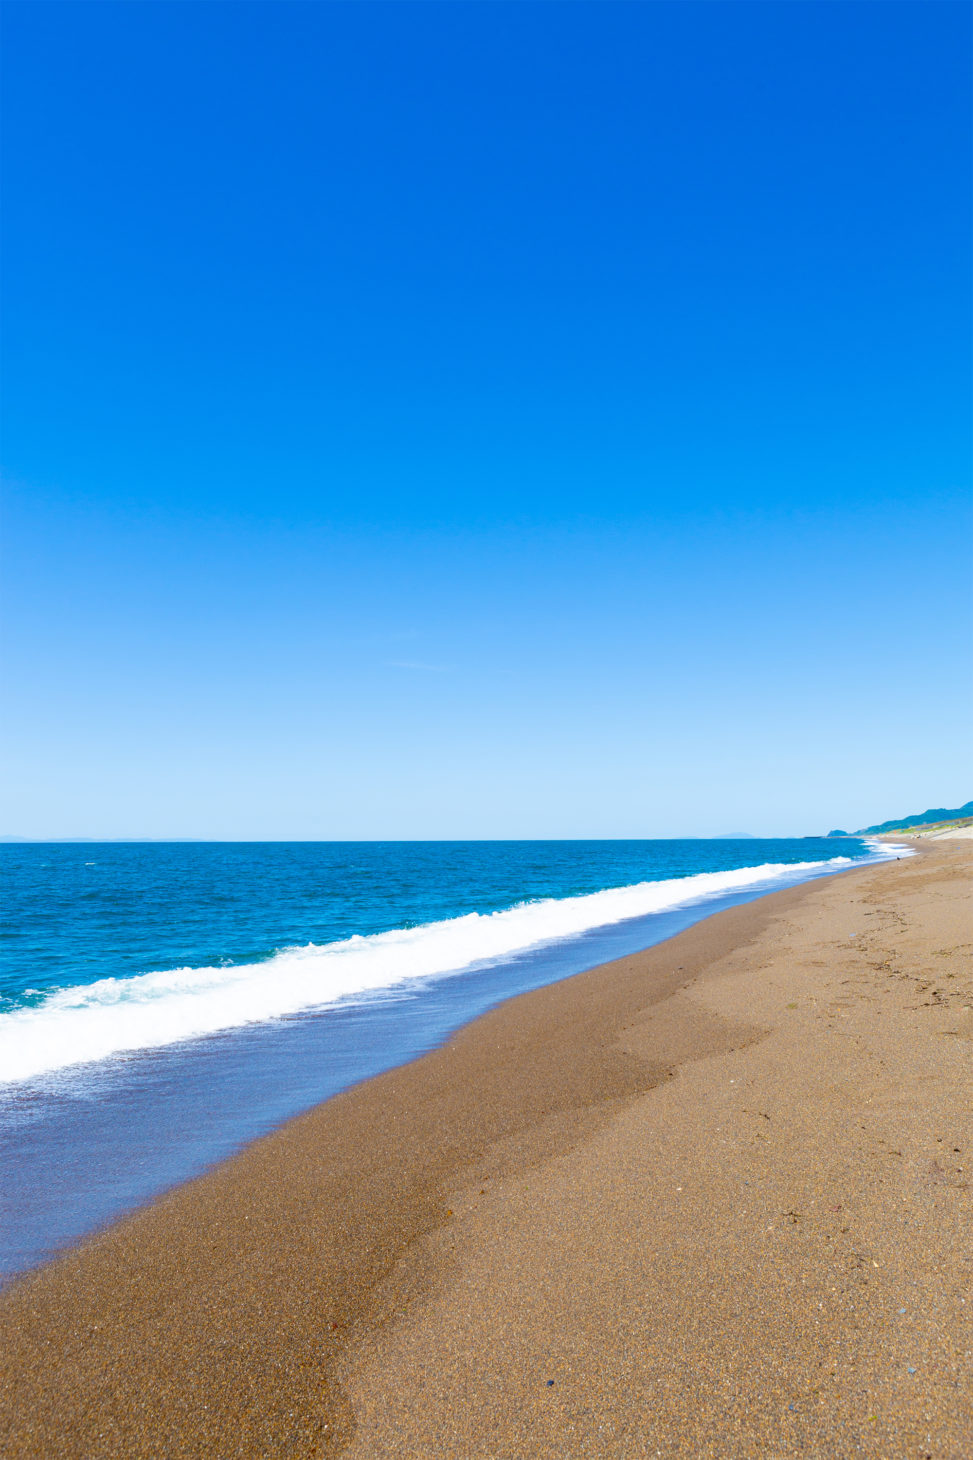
<point x="937" y="819"/>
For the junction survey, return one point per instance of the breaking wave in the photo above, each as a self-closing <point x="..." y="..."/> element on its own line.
<point x="117" y="1016"/>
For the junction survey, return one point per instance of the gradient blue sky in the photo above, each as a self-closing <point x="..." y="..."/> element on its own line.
<point x="477" y="420"/>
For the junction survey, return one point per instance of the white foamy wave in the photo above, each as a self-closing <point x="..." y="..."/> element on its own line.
<point x="115" y="1016"/>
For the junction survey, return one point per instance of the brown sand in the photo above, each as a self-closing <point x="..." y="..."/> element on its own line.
<point x="717" y="1192"/>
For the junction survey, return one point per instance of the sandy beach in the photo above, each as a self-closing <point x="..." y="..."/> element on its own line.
<point x="709" y="1200"/>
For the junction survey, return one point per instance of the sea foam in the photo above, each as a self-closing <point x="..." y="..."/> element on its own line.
<point x="117" y="1016"/>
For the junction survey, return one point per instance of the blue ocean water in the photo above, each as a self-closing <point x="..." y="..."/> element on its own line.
<point x="160" y="1004"/>
<point x="78" y="912"/>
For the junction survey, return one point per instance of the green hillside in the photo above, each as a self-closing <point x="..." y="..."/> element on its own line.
<point x="938" y="814"/>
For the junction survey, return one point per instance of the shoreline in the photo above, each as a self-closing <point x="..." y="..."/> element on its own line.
<point x="241" y="1303"/>
<point x="93" y="1148"/>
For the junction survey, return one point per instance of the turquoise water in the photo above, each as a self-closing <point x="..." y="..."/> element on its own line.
<point x="76" y="913"/>
<point x="160" y="1004"/>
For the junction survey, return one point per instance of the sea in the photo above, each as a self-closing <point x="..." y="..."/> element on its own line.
<point x="162" y="1004"/>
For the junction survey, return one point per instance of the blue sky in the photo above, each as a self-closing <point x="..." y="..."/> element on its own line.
<point x="485" y="419"/>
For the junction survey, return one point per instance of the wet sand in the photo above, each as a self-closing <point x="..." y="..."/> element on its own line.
<point x="710" y="1200"/>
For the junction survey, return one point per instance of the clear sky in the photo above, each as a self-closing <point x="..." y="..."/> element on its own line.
<point x="486" y="420"/>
